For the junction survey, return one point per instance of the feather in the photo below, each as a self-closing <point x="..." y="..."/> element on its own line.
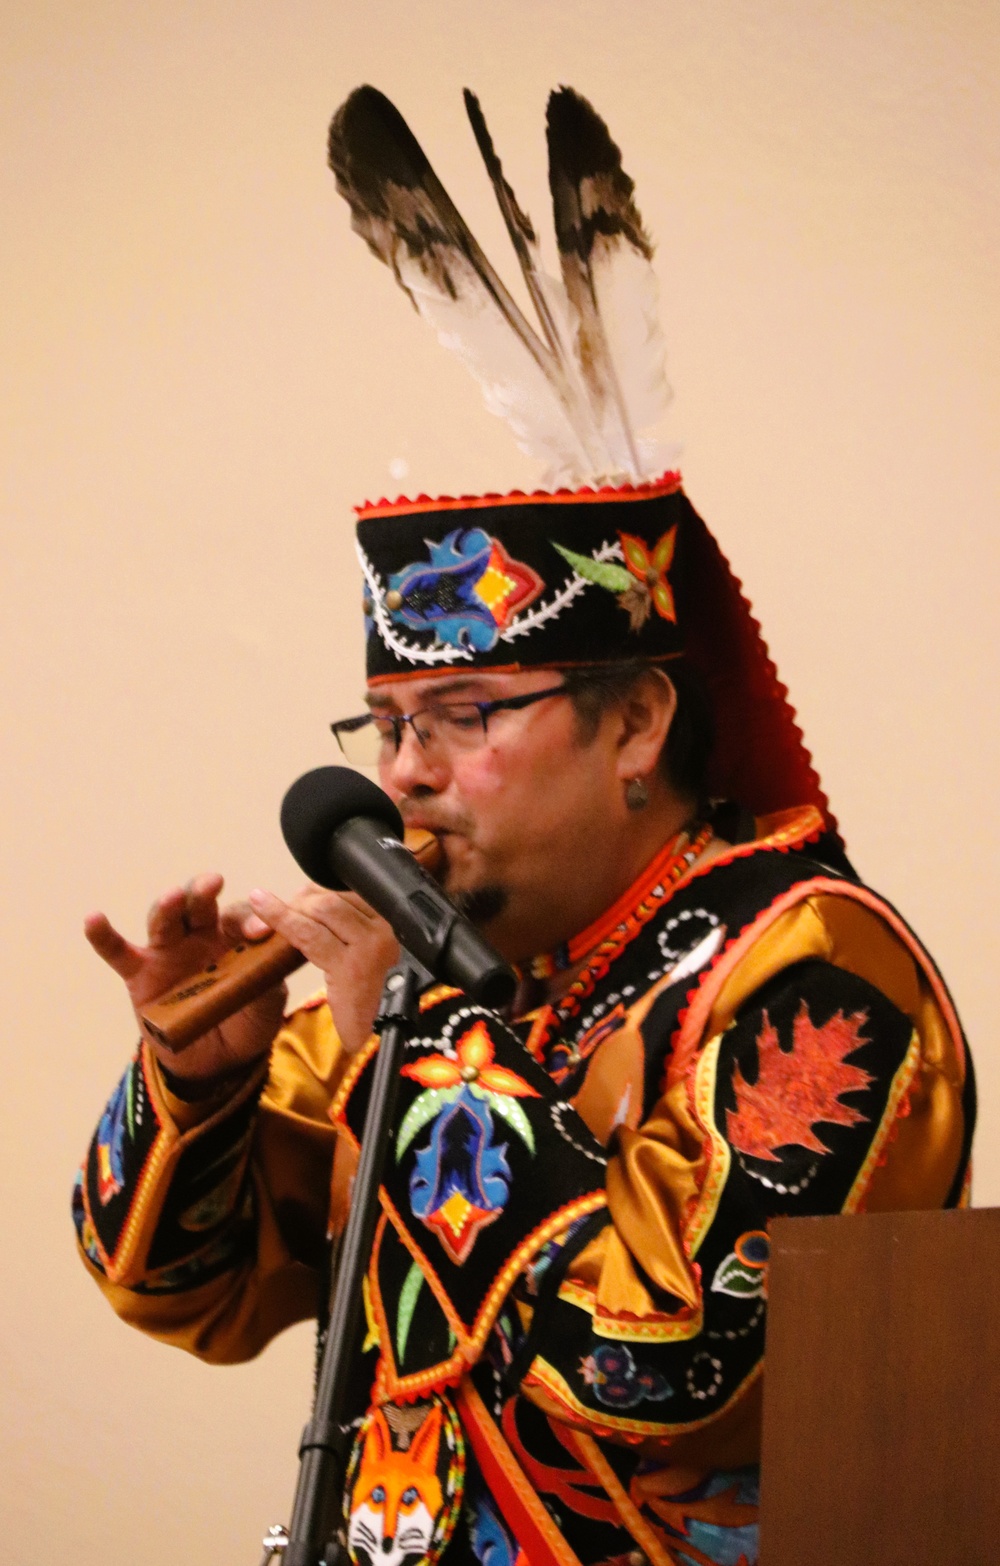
<point x="519" y="227"/>
<point x="401" y="209"/>
<point x="605" y="255"/>
<point x="558" y="322"/>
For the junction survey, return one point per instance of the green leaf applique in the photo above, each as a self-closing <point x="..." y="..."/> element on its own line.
<point x="510" y="1110"/>
<point x="735" y="1277"/>
<point x="605" y="573"/>
<point x="420" y="1111"/>
<point x="412" y="1284"/>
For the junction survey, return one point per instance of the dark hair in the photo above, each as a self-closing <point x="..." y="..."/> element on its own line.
<point x="685" y="756"/>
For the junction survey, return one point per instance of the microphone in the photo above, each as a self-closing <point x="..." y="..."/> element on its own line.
<point x="346" y="833"/>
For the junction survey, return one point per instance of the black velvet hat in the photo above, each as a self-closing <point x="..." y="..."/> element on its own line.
<point x="518" y="581"/>
<point x="576" y="578"/>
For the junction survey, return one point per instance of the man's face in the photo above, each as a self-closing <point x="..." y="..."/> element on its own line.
<point x="523" y="816"/>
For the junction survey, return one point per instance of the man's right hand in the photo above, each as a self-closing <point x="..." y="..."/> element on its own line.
<point x="186" y="929"/>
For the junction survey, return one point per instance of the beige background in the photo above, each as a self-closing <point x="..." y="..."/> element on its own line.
<point x="202" y="369"/>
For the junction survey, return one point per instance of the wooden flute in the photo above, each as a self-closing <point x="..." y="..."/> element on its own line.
<point x="241" y="974"/>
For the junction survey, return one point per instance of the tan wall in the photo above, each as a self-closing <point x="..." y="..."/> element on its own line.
<point x="202" y="368"/>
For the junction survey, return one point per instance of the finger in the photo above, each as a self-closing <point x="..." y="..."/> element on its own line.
<point x="113" y="948"/>
<point x="310" y="890"/>
<point x="359" y="905"/>
<point x="343" y="914"/>
<point x="238" y="922"/>
<point x="296" y="924"/>
<point x="201" y="910"/>
<point x="165" y="920"/>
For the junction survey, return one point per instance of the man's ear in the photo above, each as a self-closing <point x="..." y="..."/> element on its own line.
<point x="646" y="714"/>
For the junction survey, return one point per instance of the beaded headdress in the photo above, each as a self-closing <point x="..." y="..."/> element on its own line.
<point x="609" y="561"/>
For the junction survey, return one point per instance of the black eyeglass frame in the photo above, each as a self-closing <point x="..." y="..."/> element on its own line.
<point x="486" y="709"/>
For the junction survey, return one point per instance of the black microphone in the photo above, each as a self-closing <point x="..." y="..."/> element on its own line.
<point x="345" y="832"/>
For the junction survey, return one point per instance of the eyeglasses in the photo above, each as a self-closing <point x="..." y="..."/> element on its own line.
<point x="452" y="725"/>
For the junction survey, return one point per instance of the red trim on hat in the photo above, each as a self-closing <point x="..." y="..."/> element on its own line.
<point x="667" y="485"/>
<point x="759" y="756"/>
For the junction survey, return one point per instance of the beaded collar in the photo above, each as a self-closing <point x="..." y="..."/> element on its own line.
<point x="610" y="934"/>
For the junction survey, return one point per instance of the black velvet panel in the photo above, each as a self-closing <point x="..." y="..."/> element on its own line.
<point x="125" y="1136"/>
<point x="478" y="1164"/>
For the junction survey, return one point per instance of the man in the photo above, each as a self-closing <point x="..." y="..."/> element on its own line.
<point x="716" y="1024"/>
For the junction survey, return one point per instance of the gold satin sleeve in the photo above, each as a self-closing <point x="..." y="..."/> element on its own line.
<point x="234" y="1315"/>
<point x="919" y="1163"/>
<point x="666" y="1175"/>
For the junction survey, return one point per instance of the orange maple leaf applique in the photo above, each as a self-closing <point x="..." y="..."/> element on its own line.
<point x="797" y="1088"/>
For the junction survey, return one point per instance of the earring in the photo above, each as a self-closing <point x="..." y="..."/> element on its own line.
<point x="636" y="794"/>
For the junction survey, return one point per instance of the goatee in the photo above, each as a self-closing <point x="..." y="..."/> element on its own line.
<point x="481" y="904"/>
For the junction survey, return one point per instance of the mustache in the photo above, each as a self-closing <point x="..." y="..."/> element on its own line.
<point x="415" y="814"/>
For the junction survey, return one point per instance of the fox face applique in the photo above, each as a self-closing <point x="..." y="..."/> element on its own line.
<point x="404" y="1485"/>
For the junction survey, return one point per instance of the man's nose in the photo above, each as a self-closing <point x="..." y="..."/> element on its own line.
<point x="416" y="766"/>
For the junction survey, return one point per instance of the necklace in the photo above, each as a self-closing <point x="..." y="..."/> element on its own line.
<point x="623" y="920"/>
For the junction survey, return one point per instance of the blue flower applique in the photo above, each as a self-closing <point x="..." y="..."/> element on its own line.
<point x="466" y="593"/>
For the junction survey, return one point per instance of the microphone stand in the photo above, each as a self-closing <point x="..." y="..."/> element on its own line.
<point x="311" y="1538"/>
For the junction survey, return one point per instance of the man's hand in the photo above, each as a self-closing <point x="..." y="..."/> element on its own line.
<point x="339" y="933"/>
<point x="186" y="930"/>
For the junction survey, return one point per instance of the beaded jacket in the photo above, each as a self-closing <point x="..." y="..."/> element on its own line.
<point x="569" y="1279"/>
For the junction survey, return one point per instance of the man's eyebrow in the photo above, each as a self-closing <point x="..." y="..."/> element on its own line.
<point x="376" y="701"/>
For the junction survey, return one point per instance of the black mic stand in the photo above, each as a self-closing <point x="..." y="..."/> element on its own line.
<point x="311" y="1537"/>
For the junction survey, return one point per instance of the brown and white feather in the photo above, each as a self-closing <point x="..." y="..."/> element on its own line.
<point x="405" y="215"/>
<point x="580" y="393"/>
<point x="606" y="254"/>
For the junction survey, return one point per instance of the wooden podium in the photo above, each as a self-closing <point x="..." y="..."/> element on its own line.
<point x="882" y="1392"/>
